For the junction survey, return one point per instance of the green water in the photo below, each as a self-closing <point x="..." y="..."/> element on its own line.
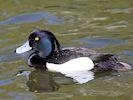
<point x="103" y="25"/>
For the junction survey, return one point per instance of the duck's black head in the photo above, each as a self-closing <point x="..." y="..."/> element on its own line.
<point x="42" y="42"/>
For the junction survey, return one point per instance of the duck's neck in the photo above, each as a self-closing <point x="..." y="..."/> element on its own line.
<point x="36" y="61"/>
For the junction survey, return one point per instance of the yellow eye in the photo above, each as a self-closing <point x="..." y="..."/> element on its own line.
<point x="37" y="38"/>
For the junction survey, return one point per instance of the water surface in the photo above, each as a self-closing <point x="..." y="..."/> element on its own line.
<point x="103" y="25"/>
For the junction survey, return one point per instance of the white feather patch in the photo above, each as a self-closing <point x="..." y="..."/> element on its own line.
<point x="77" y="64"/>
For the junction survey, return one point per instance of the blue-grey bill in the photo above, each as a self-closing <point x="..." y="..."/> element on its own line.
<point x="24" y="48"/>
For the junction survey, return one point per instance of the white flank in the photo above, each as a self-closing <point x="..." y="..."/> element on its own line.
<point x="77" y="64"/>
<point x="24" y="48"/>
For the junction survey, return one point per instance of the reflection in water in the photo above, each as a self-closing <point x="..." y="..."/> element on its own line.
<point x="42" y="81"/>
<point x="80" y="77"/>
<point x="39" y="81"/>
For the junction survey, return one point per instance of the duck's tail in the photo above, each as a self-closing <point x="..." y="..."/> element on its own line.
<point x="109" y="62"/>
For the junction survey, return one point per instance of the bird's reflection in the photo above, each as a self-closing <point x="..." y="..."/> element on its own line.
<point x="45" y="81"/>
<point x="39" y="81"/>
<point x="80" y="77"/>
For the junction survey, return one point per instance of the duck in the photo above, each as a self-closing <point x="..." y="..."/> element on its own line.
<point x="46" y="53"/>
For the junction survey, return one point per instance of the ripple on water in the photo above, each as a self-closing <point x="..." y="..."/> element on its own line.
<point x="46" y="17"/>
<point x="126" y="11"/>
<point x="5" y="82"/>
<point x="129" y="53"/>
<point x="102" y="42"/>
